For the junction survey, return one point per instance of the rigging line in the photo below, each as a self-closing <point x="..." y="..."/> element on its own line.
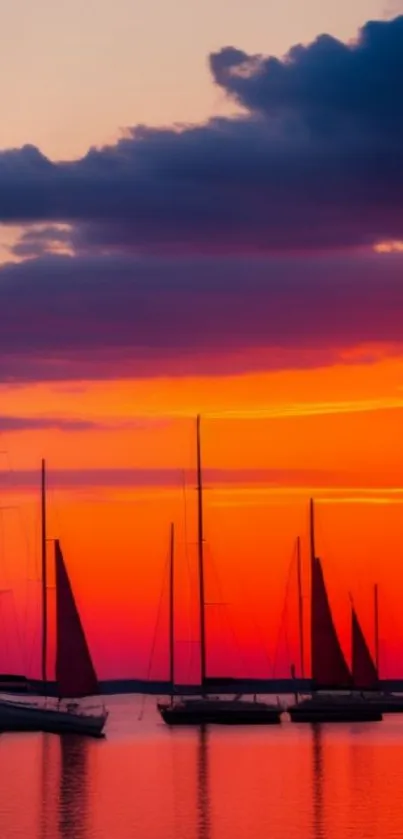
<point x="24" y="528"/>
<point x="286" y="637"/>
<point x="26" y="575"/>
<point x="34" y="645"/>
<point x="189" y="575"/>
<point x="259" y="633"/>
<point x="32" y="602"/>
<point x="284" y="614"/>
<point x="3" y="590"/>
<point x="8" y="585"/>
<point x="58" y="520"/>
<point x="221" y="598"/>
<point x="341" y="583"/>
<point x="229" y="622"/>
<point x="6" y="588"/>
<point x="2" y="622"/>
<point x="27" y="656"/>
<point x="257" y="627"/>
<point x="282" y="624"/>
<point x="26" y="539"/>
<point x="156" y="626"/>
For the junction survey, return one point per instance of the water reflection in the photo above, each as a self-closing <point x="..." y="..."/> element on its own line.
<point x="73" y="787"/>
<point x="63" y="788"/>
<point x="317" y="782"/>
<point x="48" y="798"/>
<point x="203" y="790"/>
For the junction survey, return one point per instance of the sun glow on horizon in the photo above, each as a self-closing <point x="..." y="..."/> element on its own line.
<point x="336" y="439"/>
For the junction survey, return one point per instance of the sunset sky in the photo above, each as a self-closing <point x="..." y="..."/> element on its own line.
<point x="201" y="212"/>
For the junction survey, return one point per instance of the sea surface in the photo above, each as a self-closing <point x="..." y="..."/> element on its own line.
<point x="148" y="781"/>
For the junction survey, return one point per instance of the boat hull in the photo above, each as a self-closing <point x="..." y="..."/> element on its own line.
<point x="15" y="716"/>
<point x="312" y="711"/>
<point x="387" y="704"/>
<point x="220" y="713"/>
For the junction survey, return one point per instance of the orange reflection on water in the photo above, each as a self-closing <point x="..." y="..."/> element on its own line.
<point x="290" y="781"/>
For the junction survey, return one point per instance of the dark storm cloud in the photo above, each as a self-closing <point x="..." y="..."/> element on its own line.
<point x="328" y="86"/>
<point x="315" y="161"/>
<point x="77" y="318"/>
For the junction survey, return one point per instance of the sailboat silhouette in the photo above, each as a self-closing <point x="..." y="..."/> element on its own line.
<point x="206" y="709"/>
<point x="75" y="673"/>
<point x="330" y="672"/>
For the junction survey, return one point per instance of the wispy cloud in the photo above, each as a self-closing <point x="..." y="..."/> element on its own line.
<point x="10" y="423"/>
<point x="306" y="409"/>
<point x="252" y="482"/>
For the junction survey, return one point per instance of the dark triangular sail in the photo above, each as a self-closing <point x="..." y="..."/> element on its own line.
<point x="329" y="667"/>
<point x="75" y="674"/>
<point x="365" y="675"/>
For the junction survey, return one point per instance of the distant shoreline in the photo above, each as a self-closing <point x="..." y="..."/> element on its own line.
<point x="111" y="687"/>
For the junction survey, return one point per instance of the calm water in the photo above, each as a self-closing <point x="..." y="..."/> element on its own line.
<point x="150" y="782"/>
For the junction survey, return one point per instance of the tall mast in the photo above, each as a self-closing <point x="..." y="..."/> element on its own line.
<point x="171" y="610"/>
<point x="200" y="553"/>
<point x="376" y="626"/>
<point x="312" y="529"/>
<point x="313" y="571"/>
<point x="44" y="576"/>
<point x="300" y="610"/>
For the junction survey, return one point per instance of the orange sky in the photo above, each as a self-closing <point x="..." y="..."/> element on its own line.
<point x="237" y="238"/>
<point x="332" y="433"/>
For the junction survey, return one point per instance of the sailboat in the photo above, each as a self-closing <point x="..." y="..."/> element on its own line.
<point x="208" y="709"/>
<point x="161" y="706"/>
<point x="75" y="673"/>
<point x="332" y="699"/>
<point x="365" y="669"/>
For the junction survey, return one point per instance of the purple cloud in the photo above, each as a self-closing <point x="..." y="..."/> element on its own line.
<point x="316" y="161"/>
<point x="35" y="241"/>
<point x="66" y="479"/>
<point x="10" y="423"/>
<point x="235" y="245"/>
<point x="34" y="423"/>
<point x="100" y="317"/>
<point x="341" y="92"/>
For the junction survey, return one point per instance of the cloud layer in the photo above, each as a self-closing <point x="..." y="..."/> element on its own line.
<point x="260" y="479"/>
<point x="316" y="161"/>
<point x="83" y="317"/>
<point x="244" y="236"/>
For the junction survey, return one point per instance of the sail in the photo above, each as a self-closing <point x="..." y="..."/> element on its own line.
<point x="329" y="667"/>
<point x="75" y="674"/>
<point x="365" y="675"/>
